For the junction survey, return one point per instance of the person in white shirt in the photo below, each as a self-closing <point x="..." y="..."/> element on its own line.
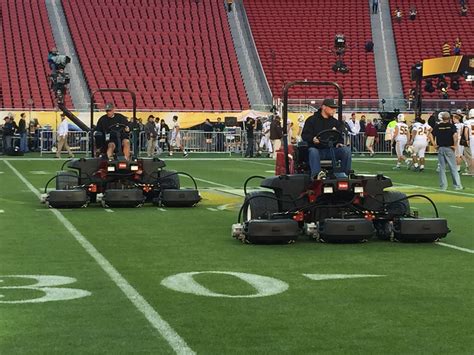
<point x="265" y="141"/>
<point x="457" y="120"/>
<point x="469" y="135"/>
<point x="301" y="120"/>
<point x="419" y="139"/>
<point x="354" y="126"/>
<point x="176" y="138"/>
<point x="401" y="136"/>
<point x="63" y="131"/>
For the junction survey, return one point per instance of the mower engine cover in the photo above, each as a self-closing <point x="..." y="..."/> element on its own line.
<point x="271" y="231"/>
<point x="420" y="229"/>
<point x="123" y="198"/>
<point x="337" y="230"/>
<point x="75" y="198"/>
<point x="178" y="198"/>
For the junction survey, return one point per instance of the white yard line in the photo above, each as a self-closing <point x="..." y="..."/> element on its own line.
<point x="466" y="250"/>
<point x="109" y="210"/>
<point x="457" y="207"/>
<point x="213" y="209"/>
<point x="167" y="332"/>
<point x="2" y="211"/>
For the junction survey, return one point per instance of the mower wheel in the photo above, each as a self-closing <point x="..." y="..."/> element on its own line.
<point x="260" y="205"/>
<point x="399" y="208"/>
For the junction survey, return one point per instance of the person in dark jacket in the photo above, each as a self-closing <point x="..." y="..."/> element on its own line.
<point x="249" y="128"/>
<point x="320" y="121"/>
<point x="9" y="128"/>
<point x="23" y="133"/>
<point x="151" y="135"/>
<point x="276" y="134"/>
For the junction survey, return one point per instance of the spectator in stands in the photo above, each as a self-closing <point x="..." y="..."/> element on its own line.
<point x="413" y="13"/>
<point x="445" y="134"/>
<point x="208" y="129"/>
<point x="372" y="136"/>
<point x="320" y="121"/>
<point x="9" y="128"/>
<point x="457" y="46"/>
<point x="375" y="6"/>
<point x="114" y="127"/>
<point x="176" y="141"/>
<point x="276" y="134"/>
<point x="249" y="128"/>
<point x="219" y="127"/>
<point x="163" y="134"/>
<point x="398" y="14"/>
<point x="151" y="135"/>
<point x="229" y="5"/>
<point x="63" y="131"/>
<point x="22" y="131"/>
<point x="463" y="10"/>
<point x="446" y="49"/>
<point x="51" y="55"/>
<point x="369" y="46"/>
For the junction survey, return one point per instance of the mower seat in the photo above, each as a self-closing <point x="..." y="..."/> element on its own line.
<point x="302" y="160"/>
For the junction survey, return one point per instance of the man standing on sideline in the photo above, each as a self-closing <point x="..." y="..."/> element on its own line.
<point x="276" y="134"/>
<point x="354" y="125"/>
<point x="249" y="127"/>
<point x="23" y="133"/>
<point x="9" y="128"/>
<point x="446" y="135"/>
<point x="151" y="135"/>
<point x="219" y="127"/>
<point x="176" y="138"/>
<point x="63" y="132"/>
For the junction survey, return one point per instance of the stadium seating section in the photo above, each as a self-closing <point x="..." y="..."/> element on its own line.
<point x="176" y="55"/>
<point x="27" y="37"/>
<point x="301" y="35"/>
<point x="437" y="21"/>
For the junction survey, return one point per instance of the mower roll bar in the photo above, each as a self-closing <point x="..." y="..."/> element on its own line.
<point x="134" y="100"/>
<point x="285" y="109"/>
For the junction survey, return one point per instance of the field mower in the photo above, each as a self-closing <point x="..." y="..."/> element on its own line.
<point x="117" y="182"/>
<point x="333" y="208"/>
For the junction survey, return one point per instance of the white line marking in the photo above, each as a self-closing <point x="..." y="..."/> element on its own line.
<point x="457" y="207"/>
<point x="2" y="211"/>
<point x="109" y="210"/>
<point x="434" y="190"/>
<point x="2" y="172"/>
<point x="321" y="277"/>
<point x="169" y="334"/>
<point x="212" y="209"/>
<point x="213" y="183"/>
<point x="161" y="209"/>
<point x="470" y="251"/>
<point x="39" y="172"/>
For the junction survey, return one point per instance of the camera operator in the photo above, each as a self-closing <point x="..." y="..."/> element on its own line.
<point x="51" y="62"/>
<point x="111" y="136"/>
<point x="59" y="80"/>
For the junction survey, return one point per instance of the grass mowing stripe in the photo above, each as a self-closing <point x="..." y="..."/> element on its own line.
<point x="169" y="334"/>
<point x="470" y="251"/>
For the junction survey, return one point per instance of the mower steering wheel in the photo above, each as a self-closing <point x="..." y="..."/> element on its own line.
<point x="118" y="128"/>
<point x="329" y="137"/>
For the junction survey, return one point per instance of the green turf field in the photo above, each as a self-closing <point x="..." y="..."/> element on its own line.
<point x="100" y="273"/>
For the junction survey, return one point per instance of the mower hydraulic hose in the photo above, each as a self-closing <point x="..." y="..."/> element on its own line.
<point x="176" y="173"/>
<point x="67" y="161"/>
<point x="53" y="178"/>
<point x="251" y="178"/>
<point x="407" y="198"/>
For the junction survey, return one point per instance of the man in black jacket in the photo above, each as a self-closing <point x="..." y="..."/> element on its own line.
<point x="114" y="127"/>
<point x="322" y="120"/>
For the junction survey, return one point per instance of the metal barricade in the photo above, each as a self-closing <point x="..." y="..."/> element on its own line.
<point x="78" y="141"/>
<point x="358" y="144"/>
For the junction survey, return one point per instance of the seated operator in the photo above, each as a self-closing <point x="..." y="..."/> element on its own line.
<point x="323" y="120"/>
<point x="111" y="134"/>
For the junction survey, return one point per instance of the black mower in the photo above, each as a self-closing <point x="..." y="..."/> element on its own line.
<point x="333" y="208"/>
<point x="117" y="182"/>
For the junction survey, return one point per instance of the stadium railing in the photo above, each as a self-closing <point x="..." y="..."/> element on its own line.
<point x="234" y="141"/>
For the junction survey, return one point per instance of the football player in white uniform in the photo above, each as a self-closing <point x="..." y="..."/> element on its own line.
<point x="457" y="120"/>
<point x="265" y="141"/>
<point x="469" y="135"/>
<point x="419" y="140"/>
<point x="401" y="136"/>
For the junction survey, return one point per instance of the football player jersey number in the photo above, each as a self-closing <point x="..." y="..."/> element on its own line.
<point x="46" y="284"/>
<point x="403" y="130"/>
<point x="422" y="131"/>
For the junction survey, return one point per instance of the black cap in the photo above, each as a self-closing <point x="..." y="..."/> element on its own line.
<point x="109" y="106"/>
<point x="330" y="103"/>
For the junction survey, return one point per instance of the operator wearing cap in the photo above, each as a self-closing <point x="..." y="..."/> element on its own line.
<point x="321" y="120"/>
<point x="106" y="124"/>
